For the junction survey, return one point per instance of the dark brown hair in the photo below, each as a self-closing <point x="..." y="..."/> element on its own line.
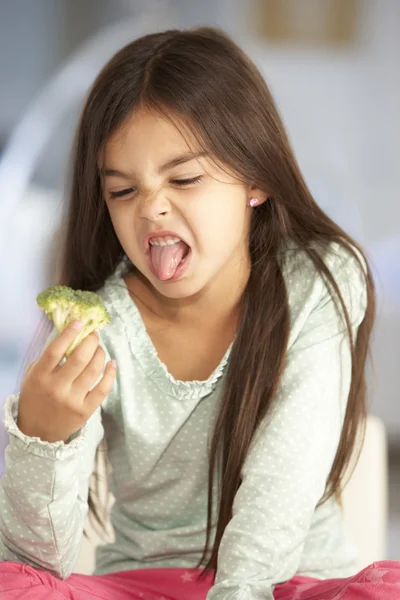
<point x="201" y="78"/>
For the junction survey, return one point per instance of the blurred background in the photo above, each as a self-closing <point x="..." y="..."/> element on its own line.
<point x="332" y="66"/>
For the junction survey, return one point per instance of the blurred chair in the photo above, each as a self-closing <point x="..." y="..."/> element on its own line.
<point x="364" y="504"/>
<point x="365" y="498"/>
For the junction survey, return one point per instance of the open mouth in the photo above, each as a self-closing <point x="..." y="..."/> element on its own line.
<point x="169" y="257"/>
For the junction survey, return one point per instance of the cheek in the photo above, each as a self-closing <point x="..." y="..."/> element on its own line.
<point x="221" y="229"/>
<point x="117" y="223"/>
<point x="123" y="223"/>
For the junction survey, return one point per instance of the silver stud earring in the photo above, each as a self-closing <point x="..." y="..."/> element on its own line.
<point x="254" y="201"/>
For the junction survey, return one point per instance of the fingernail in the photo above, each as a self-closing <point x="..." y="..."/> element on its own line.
<point x="113" y="363"/>
<point x="77" y="325"/>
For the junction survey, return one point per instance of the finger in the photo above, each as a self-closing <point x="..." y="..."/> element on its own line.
<point x="90" y="374"/>
<point x="77" y="361"/>
<point x="55" y="351"/>
<point x="96" y="396"/>
<point x="29" y="367"/>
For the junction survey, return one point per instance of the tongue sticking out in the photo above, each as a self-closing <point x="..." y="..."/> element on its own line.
<point x="166" y="259"/>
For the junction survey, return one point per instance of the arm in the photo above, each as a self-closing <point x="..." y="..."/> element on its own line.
<point x="289" y="460"/>
<point x="43" y="494"/>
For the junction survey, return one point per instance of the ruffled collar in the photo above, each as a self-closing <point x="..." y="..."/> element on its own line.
<point x="142" y="346"/>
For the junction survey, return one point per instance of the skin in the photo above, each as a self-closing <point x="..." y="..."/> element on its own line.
<point x="213" y="216"/>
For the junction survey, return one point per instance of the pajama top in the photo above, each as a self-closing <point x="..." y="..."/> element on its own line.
<point x="157" y="431"/>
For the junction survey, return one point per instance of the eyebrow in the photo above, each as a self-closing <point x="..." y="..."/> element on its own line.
<point x="170" y="164"/>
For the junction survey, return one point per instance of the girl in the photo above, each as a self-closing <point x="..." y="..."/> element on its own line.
<point x="241" y="319"/>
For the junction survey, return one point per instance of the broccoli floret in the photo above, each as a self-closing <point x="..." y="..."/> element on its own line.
<point x="62" y="305"/>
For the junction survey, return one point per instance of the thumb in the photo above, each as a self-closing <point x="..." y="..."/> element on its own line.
<point x="30" y="367"/>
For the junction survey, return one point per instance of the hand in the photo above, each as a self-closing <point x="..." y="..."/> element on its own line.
<point x="55" y="400"/>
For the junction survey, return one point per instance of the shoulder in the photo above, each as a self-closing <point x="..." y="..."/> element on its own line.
<point x="307" y="289"/>
<point x="114" y="293"/>
<point x="114" y="337"/>
<point x="300" y="272"/>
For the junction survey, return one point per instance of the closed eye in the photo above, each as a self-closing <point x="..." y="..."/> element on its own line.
<point x="181" y="182"/>
<point x="120" y="193"/>
<point x="186" y="181"/>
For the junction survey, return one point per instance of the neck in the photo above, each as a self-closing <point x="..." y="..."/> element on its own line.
<point x="218" y="304"/>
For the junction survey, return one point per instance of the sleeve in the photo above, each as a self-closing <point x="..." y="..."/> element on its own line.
<point x="44" y="493"/>
<point x="286" y="469"/>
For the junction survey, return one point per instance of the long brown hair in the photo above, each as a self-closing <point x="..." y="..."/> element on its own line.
<point x="201" y="78"/>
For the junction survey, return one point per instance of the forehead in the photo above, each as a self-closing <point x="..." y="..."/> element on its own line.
<point x="148" y="139"/>
<point x="147" y="131"/>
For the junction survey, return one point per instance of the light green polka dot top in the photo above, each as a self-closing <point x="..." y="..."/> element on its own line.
<point x="158" y="431"/>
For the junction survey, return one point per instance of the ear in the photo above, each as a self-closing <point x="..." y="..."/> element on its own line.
<point x="259" y="194"/>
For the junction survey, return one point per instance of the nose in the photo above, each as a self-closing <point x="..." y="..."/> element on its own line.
<point x="154" y="206"/>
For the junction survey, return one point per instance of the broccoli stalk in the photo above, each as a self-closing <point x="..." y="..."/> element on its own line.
<point x="62" y="305"/>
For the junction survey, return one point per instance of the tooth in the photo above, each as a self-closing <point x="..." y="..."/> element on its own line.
<point x="164" y="241"/>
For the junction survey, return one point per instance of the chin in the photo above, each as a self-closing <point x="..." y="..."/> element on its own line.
<point x="176" y="290"/>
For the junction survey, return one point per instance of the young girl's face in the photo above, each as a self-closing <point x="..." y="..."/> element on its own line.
<point x="182" y="221"/>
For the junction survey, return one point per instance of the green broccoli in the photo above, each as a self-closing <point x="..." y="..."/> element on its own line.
<point x="63" y="304"/>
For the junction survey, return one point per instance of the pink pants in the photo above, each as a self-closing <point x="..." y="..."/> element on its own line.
<point x="379" y="581"/>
